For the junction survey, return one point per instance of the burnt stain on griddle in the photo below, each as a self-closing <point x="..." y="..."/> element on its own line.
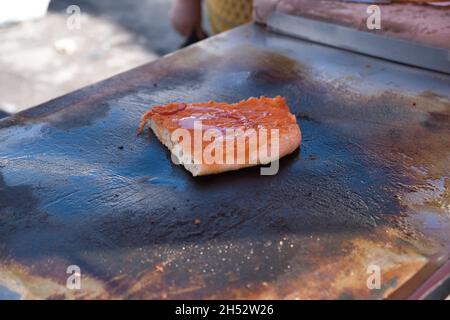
<point x="69" y="118"/>
<point x="437" y="121"/>
<point x="265" y="66"/>
<point x="16" y="202"/>
<point x="19" y="211"/>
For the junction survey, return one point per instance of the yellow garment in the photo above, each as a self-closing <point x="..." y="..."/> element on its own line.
<point x="227" y="14"/>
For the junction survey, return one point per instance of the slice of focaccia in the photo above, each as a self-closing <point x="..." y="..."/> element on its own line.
<point x="213" y="137"/>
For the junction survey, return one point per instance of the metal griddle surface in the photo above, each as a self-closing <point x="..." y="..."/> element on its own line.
<point x="369" y="185"/>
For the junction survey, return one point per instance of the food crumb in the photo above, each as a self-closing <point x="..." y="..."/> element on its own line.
<point x="197" y="221"/>
<point x="159" y="268"/>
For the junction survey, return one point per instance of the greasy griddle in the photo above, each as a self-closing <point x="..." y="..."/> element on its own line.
<point x="369" y="185"/>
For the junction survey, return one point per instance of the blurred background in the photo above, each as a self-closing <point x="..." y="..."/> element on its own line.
<point x="49" y="48"/>
<point x="41" y="58"/>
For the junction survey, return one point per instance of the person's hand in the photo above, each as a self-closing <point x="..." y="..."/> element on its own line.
<point x="186" y="18"/>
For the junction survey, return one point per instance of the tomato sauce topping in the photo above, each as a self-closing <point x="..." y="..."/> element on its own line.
<point x="256" y="113"/>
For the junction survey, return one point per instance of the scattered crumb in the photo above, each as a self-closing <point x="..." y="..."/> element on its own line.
<point x="197" y="221"/>
<point x="65" y="46"/>
<point x="159" y="268"/>
<point x="302" y="116"/>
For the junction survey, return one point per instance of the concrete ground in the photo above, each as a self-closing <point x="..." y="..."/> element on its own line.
<point x="43" y="59"/>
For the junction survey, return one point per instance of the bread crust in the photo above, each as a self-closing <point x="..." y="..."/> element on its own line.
<point x="287" y="145"/>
